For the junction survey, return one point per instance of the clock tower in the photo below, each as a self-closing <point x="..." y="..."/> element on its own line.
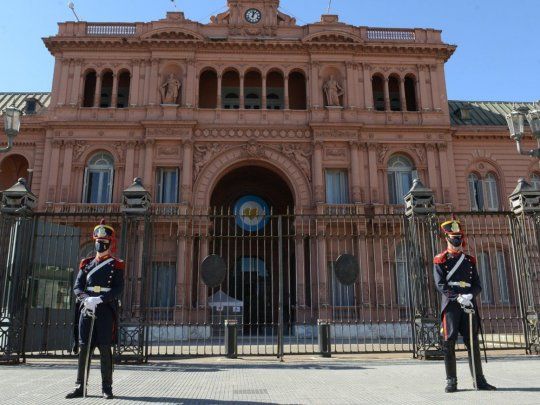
<point x="253" y="17"/>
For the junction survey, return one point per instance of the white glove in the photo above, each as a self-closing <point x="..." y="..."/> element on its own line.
<point x="465" y="300"/>
<point x="92" y="302"/>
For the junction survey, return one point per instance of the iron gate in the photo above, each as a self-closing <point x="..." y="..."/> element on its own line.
<point x="280" y="279"/>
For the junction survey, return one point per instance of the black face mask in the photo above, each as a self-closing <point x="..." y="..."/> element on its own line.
<point x="455" y="241"/>
<point x="102" y="246"/>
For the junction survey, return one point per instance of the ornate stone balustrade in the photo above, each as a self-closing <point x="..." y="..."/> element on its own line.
<point x="111" y="29"/>
<point x="389" y="34"/>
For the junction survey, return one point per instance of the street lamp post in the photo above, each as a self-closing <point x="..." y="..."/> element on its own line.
<point x="516" y="121"/>
<point x="12" y="125"/>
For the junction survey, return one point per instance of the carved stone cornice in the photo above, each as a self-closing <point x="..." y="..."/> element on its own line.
<point x="251" y="133"/>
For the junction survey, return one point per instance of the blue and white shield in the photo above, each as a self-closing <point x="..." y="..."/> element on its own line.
<point x="252" y="213"/>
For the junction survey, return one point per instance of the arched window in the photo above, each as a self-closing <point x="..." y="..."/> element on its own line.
<point x="12" y="168"/>
<point x="230" y="90"/>
<point x="98" y="179"/>
<point x="402" y="292"/>
<point x="253" y="90"/>
<point x="297" y="91"/>
<point x="89" y="89"/>
<point x="275" y="91"/>
<point x="377" y="83"/>
<point x="410" y="93"/>
<point x="535" y="180"/>
<point x="124" y="82"/>
<point x="106" y="90"/>
<point x="208" y="88"/>
<point x="400" y="177"/>
<point x="483" y="192"/>
<point x="393" y="88"/>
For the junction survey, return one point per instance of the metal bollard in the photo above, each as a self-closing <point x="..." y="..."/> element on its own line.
<point x="325" y="345"/>
<point x="231" y="339"/>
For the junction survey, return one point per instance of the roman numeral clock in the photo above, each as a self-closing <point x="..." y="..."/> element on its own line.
<point x="253" y="16"/>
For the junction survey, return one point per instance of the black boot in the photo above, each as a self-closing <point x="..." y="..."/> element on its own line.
<point x="449" y="348"/>
<point x="106" y="371"/>
<point x="480" y="383"/>
<point x="78" y="391"/>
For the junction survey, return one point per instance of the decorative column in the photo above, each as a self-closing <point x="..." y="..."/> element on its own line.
<point x="114" y="98"/>
<point x="434" y="87"/>
<point x="187" y="172"/>
<point x="432" y="168"/>
<point x="318" y="181"/>
<point x="355" y="172"/>
<point x="351" y="90"/>
<point x="63" y="89"/>
<point x="190" y="81"/>
<point x="368" y="87"/>
<point x="219" y="91"/>
<point x="147" y="72"/>
<point x="242" y="104"/>
<point x="154" y="73"/>
<point x="77" y="84"/>
<point x="373" y="181"/>
<point x="315" y="94"/>
<point x="386" y="95"/>
<point x="286" y="84"/>
<point x="66" y="172"/>
<point x="444" y="169"/>
<point x="148" y="161"/>
<point x="97" y="93"/>
<point x="130" y="162"/>
<point x="402" y="98"/>
<point x="424" y="97"/>
<point x="134" y="83"/>
<point x="263" y="101"/>
<point x="54" y="168"/>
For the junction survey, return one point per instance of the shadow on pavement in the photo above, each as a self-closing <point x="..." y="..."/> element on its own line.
<point x="520" y="389"/>
<point x="209" y="368"/>
<point x="183" y="401"/>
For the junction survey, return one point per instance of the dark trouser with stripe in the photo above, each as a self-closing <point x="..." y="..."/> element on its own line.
<point x="455" y="322"/>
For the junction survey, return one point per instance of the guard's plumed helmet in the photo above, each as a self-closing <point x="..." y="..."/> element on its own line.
<point x="452" y="227"/>
<point x="103" y="231"/>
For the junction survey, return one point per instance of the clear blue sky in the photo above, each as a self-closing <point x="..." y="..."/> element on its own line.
<point x="498" y="55"/>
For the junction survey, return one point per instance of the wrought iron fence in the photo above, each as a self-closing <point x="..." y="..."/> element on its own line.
<point x="281" y="276"/>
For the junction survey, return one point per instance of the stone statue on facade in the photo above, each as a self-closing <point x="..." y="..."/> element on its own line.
<point x="204" y="154"/>
<point x="300" y="156"/>
<point x="170" y="90"/>
<point x="333" y="91"/>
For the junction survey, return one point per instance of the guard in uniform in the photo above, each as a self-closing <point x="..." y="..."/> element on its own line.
<point x="99" y="284"/>
<point x="457" y="280"/>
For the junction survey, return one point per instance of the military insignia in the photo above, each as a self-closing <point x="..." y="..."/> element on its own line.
<point x="101" y="232"/>
<point x="455" y="226"/>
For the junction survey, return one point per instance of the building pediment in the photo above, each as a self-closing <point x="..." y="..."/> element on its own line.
<point x="176" y="33"/>
<point x="332" y="36"/>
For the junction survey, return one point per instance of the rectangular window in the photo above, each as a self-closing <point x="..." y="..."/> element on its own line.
<point x="504" y="295"/>
<point x="167" y="186"/>
<point x="342" y="295"/>
<point x="163" y="292"/>
<point x="337" y="186"/>
<point x="484" y="269"/>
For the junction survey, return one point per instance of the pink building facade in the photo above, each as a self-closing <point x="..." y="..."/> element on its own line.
<point x="324" y="118"/>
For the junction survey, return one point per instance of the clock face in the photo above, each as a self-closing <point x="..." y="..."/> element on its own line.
<point x="253" y="15"/>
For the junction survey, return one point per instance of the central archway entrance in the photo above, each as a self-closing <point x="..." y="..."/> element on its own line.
<point x="253" y="200"/>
